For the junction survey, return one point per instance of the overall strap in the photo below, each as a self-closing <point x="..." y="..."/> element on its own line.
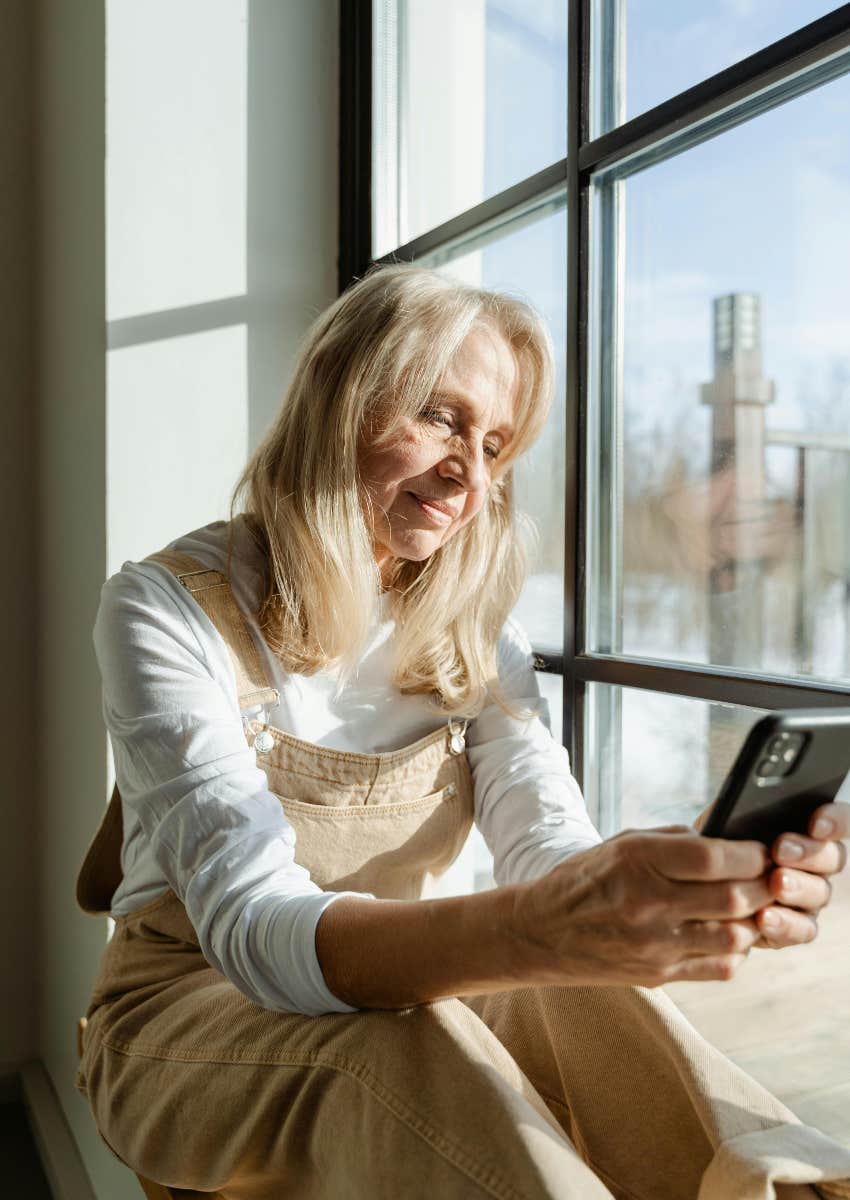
<point x="212" y="591"/>
<point x="101" y="871"/>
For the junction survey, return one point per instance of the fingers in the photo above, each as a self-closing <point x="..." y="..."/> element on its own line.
<point x="782" y="927"/>
<point x="823" y="852"/>
<point x="809" y="854"/>
<point x="798" y="889"/>
<point x="689" y="856"/>
<point x="717" y="949"/>
<point x="718" y="937"/>
<point x="708" y="967"/>
<point x="830" y="821"/>
<point x="728" y="900"/>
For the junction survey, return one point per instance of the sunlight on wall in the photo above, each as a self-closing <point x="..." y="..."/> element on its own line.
<point x="177" y="195"/>
<point x="176" y="154"/>
<point x="177" y="437"/>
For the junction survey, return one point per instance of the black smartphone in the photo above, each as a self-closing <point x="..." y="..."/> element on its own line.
<point x="791" y="763"/>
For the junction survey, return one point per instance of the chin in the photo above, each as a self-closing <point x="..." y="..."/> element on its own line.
<point x="417" y="556"/>
<point x="416" y="553"/>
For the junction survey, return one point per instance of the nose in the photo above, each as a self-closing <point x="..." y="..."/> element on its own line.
<point x="466" y="463"/>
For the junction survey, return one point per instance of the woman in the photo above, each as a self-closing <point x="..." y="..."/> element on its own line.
<point x="308" y="706"/>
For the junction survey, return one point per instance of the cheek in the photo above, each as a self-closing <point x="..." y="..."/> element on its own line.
<point x="393" y="465"/>
<point x="474" y="504"/>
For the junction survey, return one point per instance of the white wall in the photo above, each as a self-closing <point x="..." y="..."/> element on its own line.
<point x="148" y="361"/>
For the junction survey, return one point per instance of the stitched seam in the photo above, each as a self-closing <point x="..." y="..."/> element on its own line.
<point x="340" y="756"/>
<point x="204" y="587"/>
<point x="402" y="808"/>
<point x="406" y="754"/>
<point x="289" y="770"/>
<point x="485" y="1176"/>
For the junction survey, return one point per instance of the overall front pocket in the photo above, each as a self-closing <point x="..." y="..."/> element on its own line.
<point x="386" y="849"/>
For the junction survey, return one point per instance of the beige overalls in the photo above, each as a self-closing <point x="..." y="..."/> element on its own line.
<point x="508" y="1095"/>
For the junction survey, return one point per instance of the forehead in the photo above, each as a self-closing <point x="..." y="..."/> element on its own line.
<point x="483" y="374"/>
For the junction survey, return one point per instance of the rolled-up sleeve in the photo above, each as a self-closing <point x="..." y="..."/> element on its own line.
<point x="184" y="768"/>
<point x="528" y="806"/>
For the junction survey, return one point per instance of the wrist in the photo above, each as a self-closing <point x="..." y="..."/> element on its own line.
<point x="526" y="945"/>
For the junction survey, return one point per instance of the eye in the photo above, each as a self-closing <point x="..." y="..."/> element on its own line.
<point x="492" y="451"/>
<point x="437" y="416"/>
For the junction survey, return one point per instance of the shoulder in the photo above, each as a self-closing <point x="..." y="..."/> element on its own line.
<point x="143" y="606"/>
<point x="145" y="597"/>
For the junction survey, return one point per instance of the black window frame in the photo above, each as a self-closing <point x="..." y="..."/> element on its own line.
<point x="799" y="62"/>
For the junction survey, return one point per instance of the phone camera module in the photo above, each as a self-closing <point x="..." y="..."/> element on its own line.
<point x="780" y="757"/>
<point x="790" y="751"/>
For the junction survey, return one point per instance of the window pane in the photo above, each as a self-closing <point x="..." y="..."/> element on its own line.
<point x="470" y="97"/>
<point x="722" y="400"/>
<point x="531" y="262"/>
<point x="657" y="759"/>
<point x="666" y="46"/>
<point x="672" y="753"/>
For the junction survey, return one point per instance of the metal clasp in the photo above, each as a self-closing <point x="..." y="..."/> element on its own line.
<point x="264" y="738"/>
<point x="457" y="740"/>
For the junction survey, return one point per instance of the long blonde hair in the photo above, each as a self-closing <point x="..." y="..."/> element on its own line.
<point x="372" y="359"/>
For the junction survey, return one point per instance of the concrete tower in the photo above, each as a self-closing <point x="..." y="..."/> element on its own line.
<point x="738" y="395"/>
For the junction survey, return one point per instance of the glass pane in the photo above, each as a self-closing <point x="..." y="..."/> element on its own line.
<point x="666" y="46"/>
<point x="470" y="97"/>
<point x="657" y="759"/>
<point x="176" y="154"/>
<point x="673" y="753"/>
<point x="722" y="400"/>
<point x="531" y="262"/>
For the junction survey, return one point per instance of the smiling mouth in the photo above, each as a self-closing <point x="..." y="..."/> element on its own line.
<point x="436" y="510"/>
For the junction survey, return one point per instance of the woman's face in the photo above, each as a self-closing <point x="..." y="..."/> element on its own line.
<point x="434" y="476"/>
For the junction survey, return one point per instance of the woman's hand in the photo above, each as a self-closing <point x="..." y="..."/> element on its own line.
<point x="799" y="882"/>
<point x="646" y="907"/>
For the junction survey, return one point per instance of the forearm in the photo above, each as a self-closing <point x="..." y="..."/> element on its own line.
<point x="398" y="953"/>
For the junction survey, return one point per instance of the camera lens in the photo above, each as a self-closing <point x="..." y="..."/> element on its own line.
<point x="791" y="752"/>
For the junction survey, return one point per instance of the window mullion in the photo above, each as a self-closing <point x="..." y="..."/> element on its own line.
<point x="578" y="98"/>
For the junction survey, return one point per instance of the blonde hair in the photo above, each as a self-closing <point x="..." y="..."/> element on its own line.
<point x="370" y="361"/>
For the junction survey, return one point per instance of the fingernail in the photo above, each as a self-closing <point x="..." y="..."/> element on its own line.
<point x="790" y="884"/>
<point x="823" y="827"/>
<point x="771" y="920"/>
<point x="790" y="848"/>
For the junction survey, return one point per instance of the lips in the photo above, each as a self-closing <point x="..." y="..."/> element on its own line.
<point x="438" y="510"/>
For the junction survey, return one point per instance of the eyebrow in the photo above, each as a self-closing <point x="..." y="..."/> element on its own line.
<point x="507" y="431"/>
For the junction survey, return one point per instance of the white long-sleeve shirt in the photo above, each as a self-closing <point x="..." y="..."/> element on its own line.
<point x="198" y="813"/>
